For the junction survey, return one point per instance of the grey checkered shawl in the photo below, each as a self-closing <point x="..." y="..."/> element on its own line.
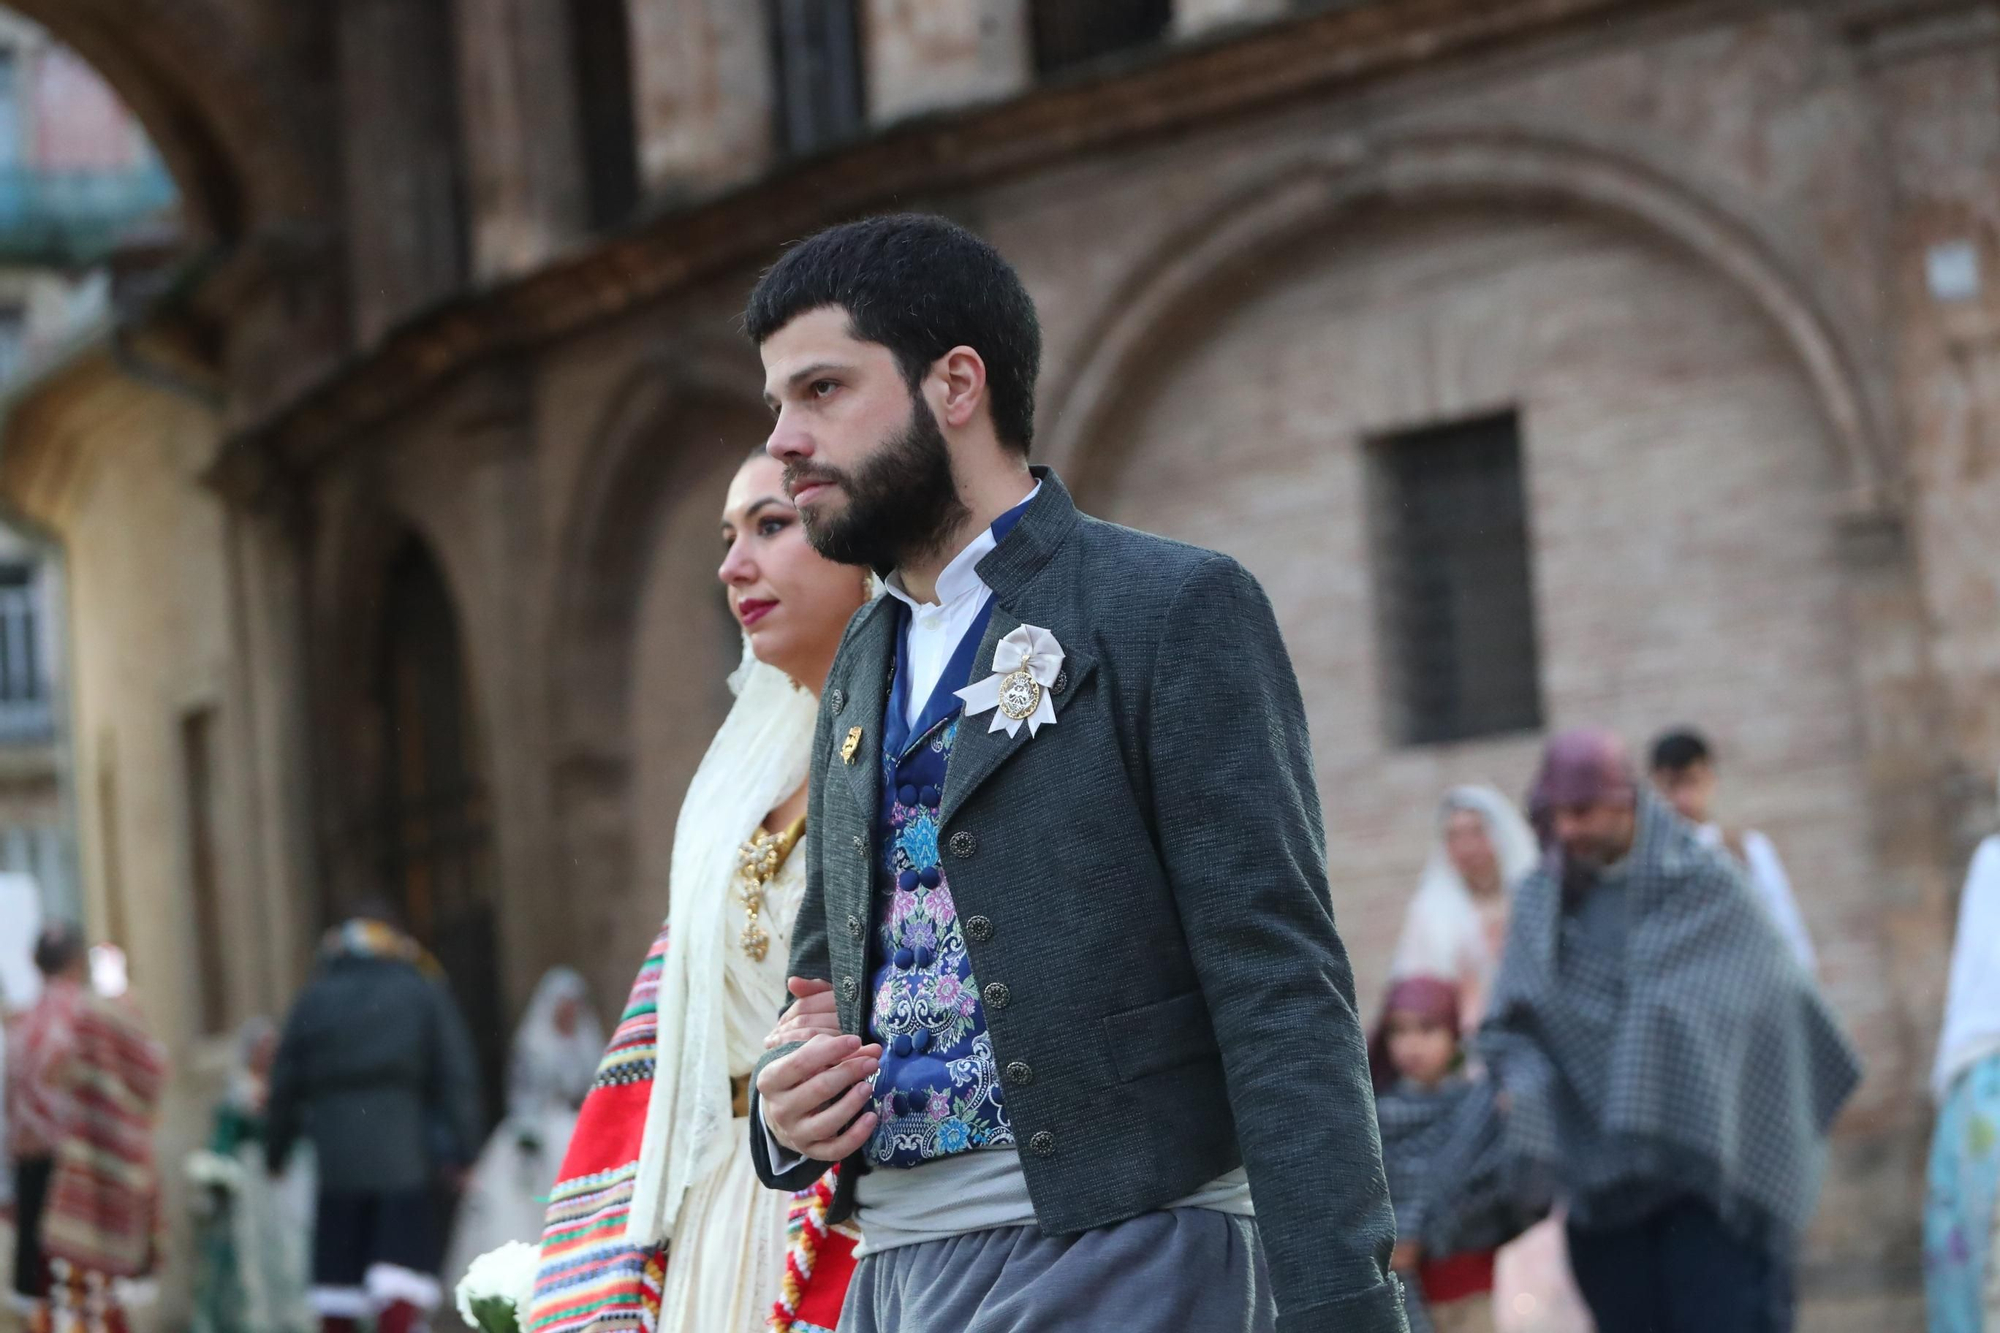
<point x="1699" y="1061"/>
<point x="1442" y="1149"/>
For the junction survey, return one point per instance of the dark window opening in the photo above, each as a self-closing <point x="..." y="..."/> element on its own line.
<point x="601" y="48"/>
<point x="198" y="780"/>
<point x="1067" y="33"/>
<point x="817" y="61"/>
<point x="432" y="837"/>
<point x="1454" y="593"/>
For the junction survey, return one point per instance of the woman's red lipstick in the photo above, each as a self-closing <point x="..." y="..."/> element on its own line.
<point x="753" y="609"/>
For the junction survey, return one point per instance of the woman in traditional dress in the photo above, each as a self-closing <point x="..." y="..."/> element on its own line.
<point x="554" y="1062"/>
<point x="253" y="1227"/>
<point x="659" y="1222"/>
<point x="1959" y="1211"/>
<point x="1454" y="930"/>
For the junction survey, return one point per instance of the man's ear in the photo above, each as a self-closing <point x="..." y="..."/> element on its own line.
<point x="963" y="372"/>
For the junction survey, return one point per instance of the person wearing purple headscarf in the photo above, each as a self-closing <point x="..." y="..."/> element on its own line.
<point x="1669" y="1072"/>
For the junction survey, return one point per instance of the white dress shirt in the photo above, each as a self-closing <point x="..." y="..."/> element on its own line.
<point x="936" y="627"/>
<point x="1774" y="890"/>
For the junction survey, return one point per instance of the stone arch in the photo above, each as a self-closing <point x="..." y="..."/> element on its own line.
<point x="668" y="437"/>
<point x="1199" y="263"/>
<point x="221" y="103"/>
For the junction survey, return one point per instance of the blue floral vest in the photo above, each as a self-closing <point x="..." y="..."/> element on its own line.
<point x="938" y="1091"/>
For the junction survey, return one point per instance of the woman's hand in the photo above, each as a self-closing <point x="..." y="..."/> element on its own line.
<point x="812" y="1016"/>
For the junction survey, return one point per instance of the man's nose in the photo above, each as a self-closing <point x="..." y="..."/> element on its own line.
<point x="788" y="444"/>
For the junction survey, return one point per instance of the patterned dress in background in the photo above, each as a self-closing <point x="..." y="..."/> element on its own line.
<point x="1959" y="1205"/>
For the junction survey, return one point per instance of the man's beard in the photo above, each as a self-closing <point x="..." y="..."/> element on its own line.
<point x="902" y="501"/>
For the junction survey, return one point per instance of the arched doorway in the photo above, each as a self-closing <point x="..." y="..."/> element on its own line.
<point x="429" y="834"/>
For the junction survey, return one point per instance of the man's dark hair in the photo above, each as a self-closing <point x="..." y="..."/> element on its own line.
<point x="58" y="948"/>
<point x="1679" y="750"/>
<point x="919" y="286"/>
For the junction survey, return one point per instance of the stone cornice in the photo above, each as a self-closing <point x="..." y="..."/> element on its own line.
<point x="1194" y="84"/>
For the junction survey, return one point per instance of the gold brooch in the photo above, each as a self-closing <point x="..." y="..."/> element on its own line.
<point x="1020" y="694"/>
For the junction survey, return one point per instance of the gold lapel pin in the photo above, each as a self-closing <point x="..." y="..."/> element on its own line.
<point x="850" y="745"/>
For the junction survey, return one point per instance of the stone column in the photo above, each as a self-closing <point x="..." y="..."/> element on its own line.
<point x="703" y="92"/>
<point x="926" y="54"/>
<point x="401" y="159"/>
<point x="518" y="100"/>
<point x="1193" y="16"/>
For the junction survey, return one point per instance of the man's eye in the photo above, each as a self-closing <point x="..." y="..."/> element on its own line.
<point x="821" y="388"/>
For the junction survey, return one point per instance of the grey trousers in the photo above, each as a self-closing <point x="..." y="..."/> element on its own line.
<point x="1186" y="1270"/>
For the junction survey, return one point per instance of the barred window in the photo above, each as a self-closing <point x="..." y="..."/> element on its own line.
<point x="1454" y="595"/>
<point x="1067" y="33"/>
<point x="601" y="53"/>
<point x="818" y="67"/>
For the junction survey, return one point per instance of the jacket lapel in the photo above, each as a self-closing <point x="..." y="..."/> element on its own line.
<point x="865" y="695"/>
<point x="979" y="751"/>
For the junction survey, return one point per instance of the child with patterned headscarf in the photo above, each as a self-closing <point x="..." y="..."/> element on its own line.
<point x="1440" y="1142"/>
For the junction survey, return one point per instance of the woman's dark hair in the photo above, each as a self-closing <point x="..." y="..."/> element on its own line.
<point x="919" y="286"/>
<point x="57" y="948"/>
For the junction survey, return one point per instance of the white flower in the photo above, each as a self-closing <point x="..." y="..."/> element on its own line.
<point x="506" y="1274"/>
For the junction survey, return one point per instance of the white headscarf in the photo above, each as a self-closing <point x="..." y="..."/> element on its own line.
<point x="756" y="760"/>
<point x="1442" y="933"/>
<point x="551" y="1071"/>
<point x="1972" y="1003"/>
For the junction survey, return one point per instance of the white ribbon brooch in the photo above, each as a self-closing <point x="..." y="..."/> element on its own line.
<point x="1025" y="664"/>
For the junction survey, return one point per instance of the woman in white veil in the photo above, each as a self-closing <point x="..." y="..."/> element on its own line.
<point x="658" y="1220"/>
<point x="553" y="1063"/>
<point x="1480" y="848"/>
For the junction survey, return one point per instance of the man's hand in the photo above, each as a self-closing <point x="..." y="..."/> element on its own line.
<point x="1408" y="1254"/>
<point x="811" y="1016"/>
<point x="813" y="1098"/>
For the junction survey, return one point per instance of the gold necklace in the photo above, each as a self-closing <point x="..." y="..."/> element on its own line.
<point x="758" y="861"/>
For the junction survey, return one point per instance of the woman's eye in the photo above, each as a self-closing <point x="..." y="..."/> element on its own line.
<point x="771" y="527"/>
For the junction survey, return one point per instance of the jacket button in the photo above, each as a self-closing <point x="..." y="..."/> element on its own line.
<point x="854" y="927"/>
<point x="996" y="995"/>
<point x="1061" y="682"/>
<point x="964" y="844"/>
<point x="1019" y="1074"/>
<point x="1043" y="1144"/>
<point x="849" y="988"/>
<point x="838" y="700"/>
<point x="978" y="929"/>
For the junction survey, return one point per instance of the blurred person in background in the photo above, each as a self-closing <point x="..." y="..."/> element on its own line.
<point x="1684" y="773"/>
<point x="1457" y="921"/>
<point x="1441" y="1150"/>
<point x="253" y="1228"/>
<point x="554" y="1062"/>
<point x="375" y="1069"/>
<point x="40" y="1102"/>
<point x="99" y="1077"/>
<point x="659" y="1210"/>
<point x="1959" y="1208"/>
<point x="1455" y="929"/>
<point x="1667" y="1068"/>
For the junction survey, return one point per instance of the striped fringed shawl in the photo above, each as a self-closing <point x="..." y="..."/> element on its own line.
<point x="591" y="1279"/>
<point x="104" y="1193"/>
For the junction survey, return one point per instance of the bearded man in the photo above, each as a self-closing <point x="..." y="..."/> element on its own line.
<point x="1069" y="989"/>
<point x="1669" y="1072"/>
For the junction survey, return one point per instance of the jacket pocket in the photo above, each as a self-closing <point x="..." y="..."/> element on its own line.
<point x="1160" y="1036"/>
